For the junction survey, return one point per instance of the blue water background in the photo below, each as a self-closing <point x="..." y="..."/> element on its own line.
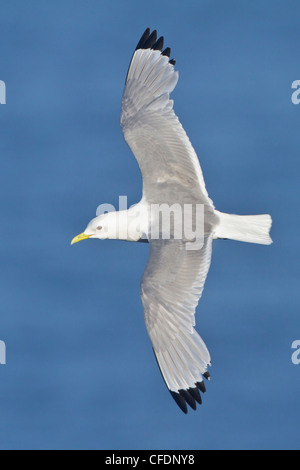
<point x="80" y="371"/>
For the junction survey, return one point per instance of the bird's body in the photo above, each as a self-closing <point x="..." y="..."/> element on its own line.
<point x="177" y="218"/>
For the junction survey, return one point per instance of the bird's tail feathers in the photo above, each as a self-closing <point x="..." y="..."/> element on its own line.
<point x="183" y="366"/>
<point x="245" y="228"/>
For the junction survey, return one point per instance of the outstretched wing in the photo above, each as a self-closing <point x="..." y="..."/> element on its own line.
<point x="171" y="287"/>
<point x="174" y="277"/>
<point x="152" y="130"/>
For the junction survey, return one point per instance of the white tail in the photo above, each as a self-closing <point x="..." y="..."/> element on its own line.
<point x="245" y="228"/>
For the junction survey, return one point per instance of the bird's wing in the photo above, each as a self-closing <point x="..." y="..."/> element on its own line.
<point x="152" y="130"/>
<point x="171" y="287"/>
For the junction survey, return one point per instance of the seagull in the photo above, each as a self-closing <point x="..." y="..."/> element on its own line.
<point x="177" y="268"/>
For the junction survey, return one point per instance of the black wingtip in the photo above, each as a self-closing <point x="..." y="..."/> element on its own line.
<point x="195" y="394"/>
<point x="159" y="44"/>
<point x="189" y="396"/>
<point x="166" y="52"/>
<point x="206" y="375"/>
<point x="201" y="387"/>
<point x="180" y="401"/>
<point x="143" y="39"/>
<point x="149" y="41"/>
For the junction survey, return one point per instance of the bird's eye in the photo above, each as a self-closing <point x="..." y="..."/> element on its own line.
<point x="99" y="227"/>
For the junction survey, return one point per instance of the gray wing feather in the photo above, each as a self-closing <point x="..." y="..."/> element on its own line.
<point x="171" y="287"/>
<point x="153" y="132"/>
<point x="174" y="277"/>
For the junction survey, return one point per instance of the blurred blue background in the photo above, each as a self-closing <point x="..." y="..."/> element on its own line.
<point x="80" y="371"/>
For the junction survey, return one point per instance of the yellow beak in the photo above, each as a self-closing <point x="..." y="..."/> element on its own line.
<point x="79" y="237"/>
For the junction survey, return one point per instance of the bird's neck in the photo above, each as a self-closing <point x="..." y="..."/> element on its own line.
<point x="132" y="224"/>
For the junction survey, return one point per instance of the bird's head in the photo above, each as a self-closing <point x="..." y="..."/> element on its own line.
<point x="101" y="227"/>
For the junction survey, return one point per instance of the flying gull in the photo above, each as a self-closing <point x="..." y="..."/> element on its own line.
<point x="177" y="268"/>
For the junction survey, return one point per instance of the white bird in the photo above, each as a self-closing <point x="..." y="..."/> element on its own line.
<point x="174" y="278"/>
